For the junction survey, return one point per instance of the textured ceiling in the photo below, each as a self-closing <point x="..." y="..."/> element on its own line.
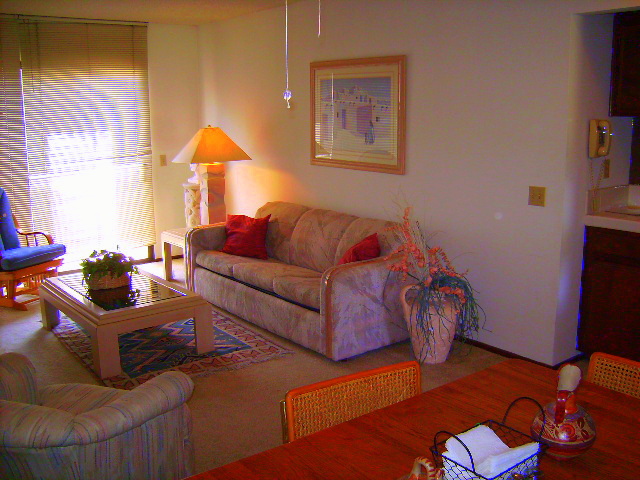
<point x="189" y="12"/>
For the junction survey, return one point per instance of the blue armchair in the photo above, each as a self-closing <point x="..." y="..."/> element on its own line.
<point x="23" y="268"/>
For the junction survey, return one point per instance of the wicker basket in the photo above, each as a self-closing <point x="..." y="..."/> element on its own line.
<point x="527" y="468"/>
<point x="107" y="281"/>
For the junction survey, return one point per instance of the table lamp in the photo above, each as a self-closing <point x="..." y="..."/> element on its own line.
<point x="206" y="152"/>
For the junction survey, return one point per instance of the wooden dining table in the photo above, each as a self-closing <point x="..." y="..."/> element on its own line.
<point x="383" y="444"/>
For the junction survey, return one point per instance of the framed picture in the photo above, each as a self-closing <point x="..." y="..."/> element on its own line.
<point x="358" y="114"/>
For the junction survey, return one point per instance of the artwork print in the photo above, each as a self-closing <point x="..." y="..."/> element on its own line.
<point x="358" y="114"/>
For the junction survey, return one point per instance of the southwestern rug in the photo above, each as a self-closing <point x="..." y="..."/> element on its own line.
<point x="147" y="353"/>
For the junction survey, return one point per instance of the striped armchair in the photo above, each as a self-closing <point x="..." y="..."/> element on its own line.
<point x="79" y="431"/>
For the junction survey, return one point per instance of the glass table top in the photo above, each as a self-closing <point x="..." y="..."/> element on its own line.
<point x="143" y="290"/>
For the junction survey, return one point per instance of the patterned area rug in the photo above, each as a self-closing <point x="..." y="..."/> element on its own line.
<point x="151" y="351"/>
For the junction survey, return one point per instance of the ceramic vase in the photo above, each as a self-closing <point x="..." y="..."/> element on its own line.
<point x="432" y="343"/>
<point x="566" y="427"/>
<point x="569" y="438"/>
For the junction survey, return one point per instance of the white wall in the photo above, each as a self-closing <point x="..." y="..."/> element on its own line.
<point x="175" y="102"/>
<point x="492" y="108"/>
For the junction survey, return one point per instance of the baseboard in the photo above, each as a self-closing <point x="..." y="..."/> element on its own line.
<point x="508" y="354"/>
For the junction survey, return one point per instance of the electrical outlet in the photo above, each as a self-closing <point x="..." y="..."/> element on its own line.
<point x="163" y="160"/>
<point x="606" y="168"/>
<point x="537" y="196"/>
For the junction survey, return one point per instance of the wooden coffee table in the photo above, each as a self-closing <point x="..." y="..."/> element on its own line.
<point x="109" y="313"/>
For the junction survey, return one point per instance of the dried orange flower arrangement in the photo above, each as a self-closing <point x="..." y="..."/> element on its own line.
<point x="436" y="281"/>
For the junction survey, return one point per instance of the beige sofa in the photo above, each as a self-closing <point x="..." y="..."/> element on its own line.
<point x="300" y="292"/>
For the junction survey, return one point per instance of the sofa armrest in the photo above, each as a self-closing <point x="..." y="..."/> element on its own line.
<point x="361" y="303"/>
<point x="153" y="398"/>
<point x="33" y="426"/>
<point x="206" y="237"/>
<point x="17" y="379"/>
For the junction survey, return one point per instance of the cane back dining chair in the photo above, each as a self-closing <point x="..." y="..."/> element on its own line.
<point x="311" y="408"/>
<point x="616" y="373"/>
<point x="22" y="268"/>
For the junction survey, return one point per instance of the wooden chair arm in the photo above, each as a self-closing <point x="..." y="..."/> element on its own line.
<point x="32" y="234"/>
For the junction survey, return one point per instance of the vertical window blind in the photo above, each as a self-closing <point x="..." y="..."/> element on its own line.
<point x="77" y="159"/>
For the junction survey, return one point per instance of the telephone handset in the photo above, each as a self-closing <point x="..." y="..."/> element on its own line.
<point x="599" y="138"/>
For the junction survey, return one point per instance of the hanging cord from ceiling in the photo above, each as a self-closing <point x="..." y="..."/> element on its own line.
<point x="287" y="93"/>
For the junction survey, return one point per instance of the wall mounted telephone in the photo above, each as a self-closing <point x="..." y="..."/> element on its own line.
<point x="599" y="138"/>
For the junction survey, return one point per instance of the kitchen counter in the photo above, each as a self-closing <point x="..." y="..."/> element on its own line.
<point x="613" y="198"/>
<point x="614" y="221"/>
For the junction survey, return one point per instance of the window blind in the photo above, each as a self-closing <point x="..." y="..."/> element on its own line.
<point x="86" y="127"/>
<point x="13" y="155"/>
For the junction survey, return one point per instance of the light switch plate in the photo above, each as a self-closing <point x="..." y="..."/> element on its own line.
<point x="537" y="196"/>
<point x="163" y="160"/>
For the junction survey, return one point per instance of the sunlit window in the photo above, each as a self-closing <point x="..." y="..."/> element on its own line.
<point x="78" y="158"/>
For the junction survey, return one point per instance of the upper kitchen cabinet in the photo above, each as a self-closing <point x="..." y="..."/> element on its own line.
<point x="624" y="100"/>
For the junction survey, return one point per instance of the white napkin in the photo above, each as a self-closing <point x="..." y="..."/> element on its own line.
<point x="491" y="455"/>
<point x="481" y="441"/>
<point x="496" y="464"/>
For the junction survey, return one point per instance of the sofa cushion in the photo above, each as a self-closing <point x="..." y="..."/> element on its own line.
<point x="316" y="237"/>
<point x="302" y="290"/>
<point x="362" y="228"/>
<point x="284" y="216"/>
<point x="365" y="249"/>
<point x="263" y="275"/>
<point x="223" y="263"/>
<point x="246" y="236"/>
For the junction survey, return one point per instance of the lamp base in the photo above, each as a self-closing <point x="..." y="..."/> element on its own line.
<point x="191" y="204"/>
<point x="212" y="189"/>
<point x="204" y="201"/>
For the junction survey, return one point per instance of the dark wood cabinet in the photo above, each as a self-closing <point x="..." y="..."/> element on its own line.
<point x="610" y="302"/>
<point x="624" y="95"/>
<point x="624" y="99"/>
<point x="634" y="168"/>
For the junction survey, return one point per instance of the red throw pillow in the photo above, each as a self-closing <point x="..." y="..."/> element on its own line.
<point x="366" y="249"/>
<point x="246" y="236"/>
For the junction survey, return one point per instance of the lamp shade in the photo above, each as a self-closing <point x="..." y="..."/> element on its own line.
<point x="210" y="145"/>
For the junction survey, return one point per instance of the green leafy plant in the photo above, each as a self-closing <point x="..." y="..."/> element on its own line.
<point x="103" y="263"/>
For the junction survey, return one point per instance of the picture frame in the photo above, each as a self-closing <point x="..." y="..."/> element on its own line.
<point x="358" y="114"/>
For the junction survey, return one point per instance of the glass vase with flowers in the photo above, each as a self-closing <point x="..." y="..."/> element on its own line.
<point x="438" y="302"/>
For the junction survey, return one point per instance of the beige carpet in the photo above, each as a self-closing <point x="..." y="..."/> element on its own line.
<point x="235" y="413"/>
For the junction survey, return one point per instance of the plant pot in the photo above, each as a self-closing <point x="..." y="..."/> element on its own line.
<point x="108" y="281"/>
<point x="430" y="342"/>
<point x="114" y="298"/>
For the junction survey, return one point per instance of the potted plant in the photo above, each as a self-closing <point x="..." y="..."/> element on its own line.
<point x="105" y="269"/>
<point x="439" y="302"/>
<point x="115" y="298"/>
